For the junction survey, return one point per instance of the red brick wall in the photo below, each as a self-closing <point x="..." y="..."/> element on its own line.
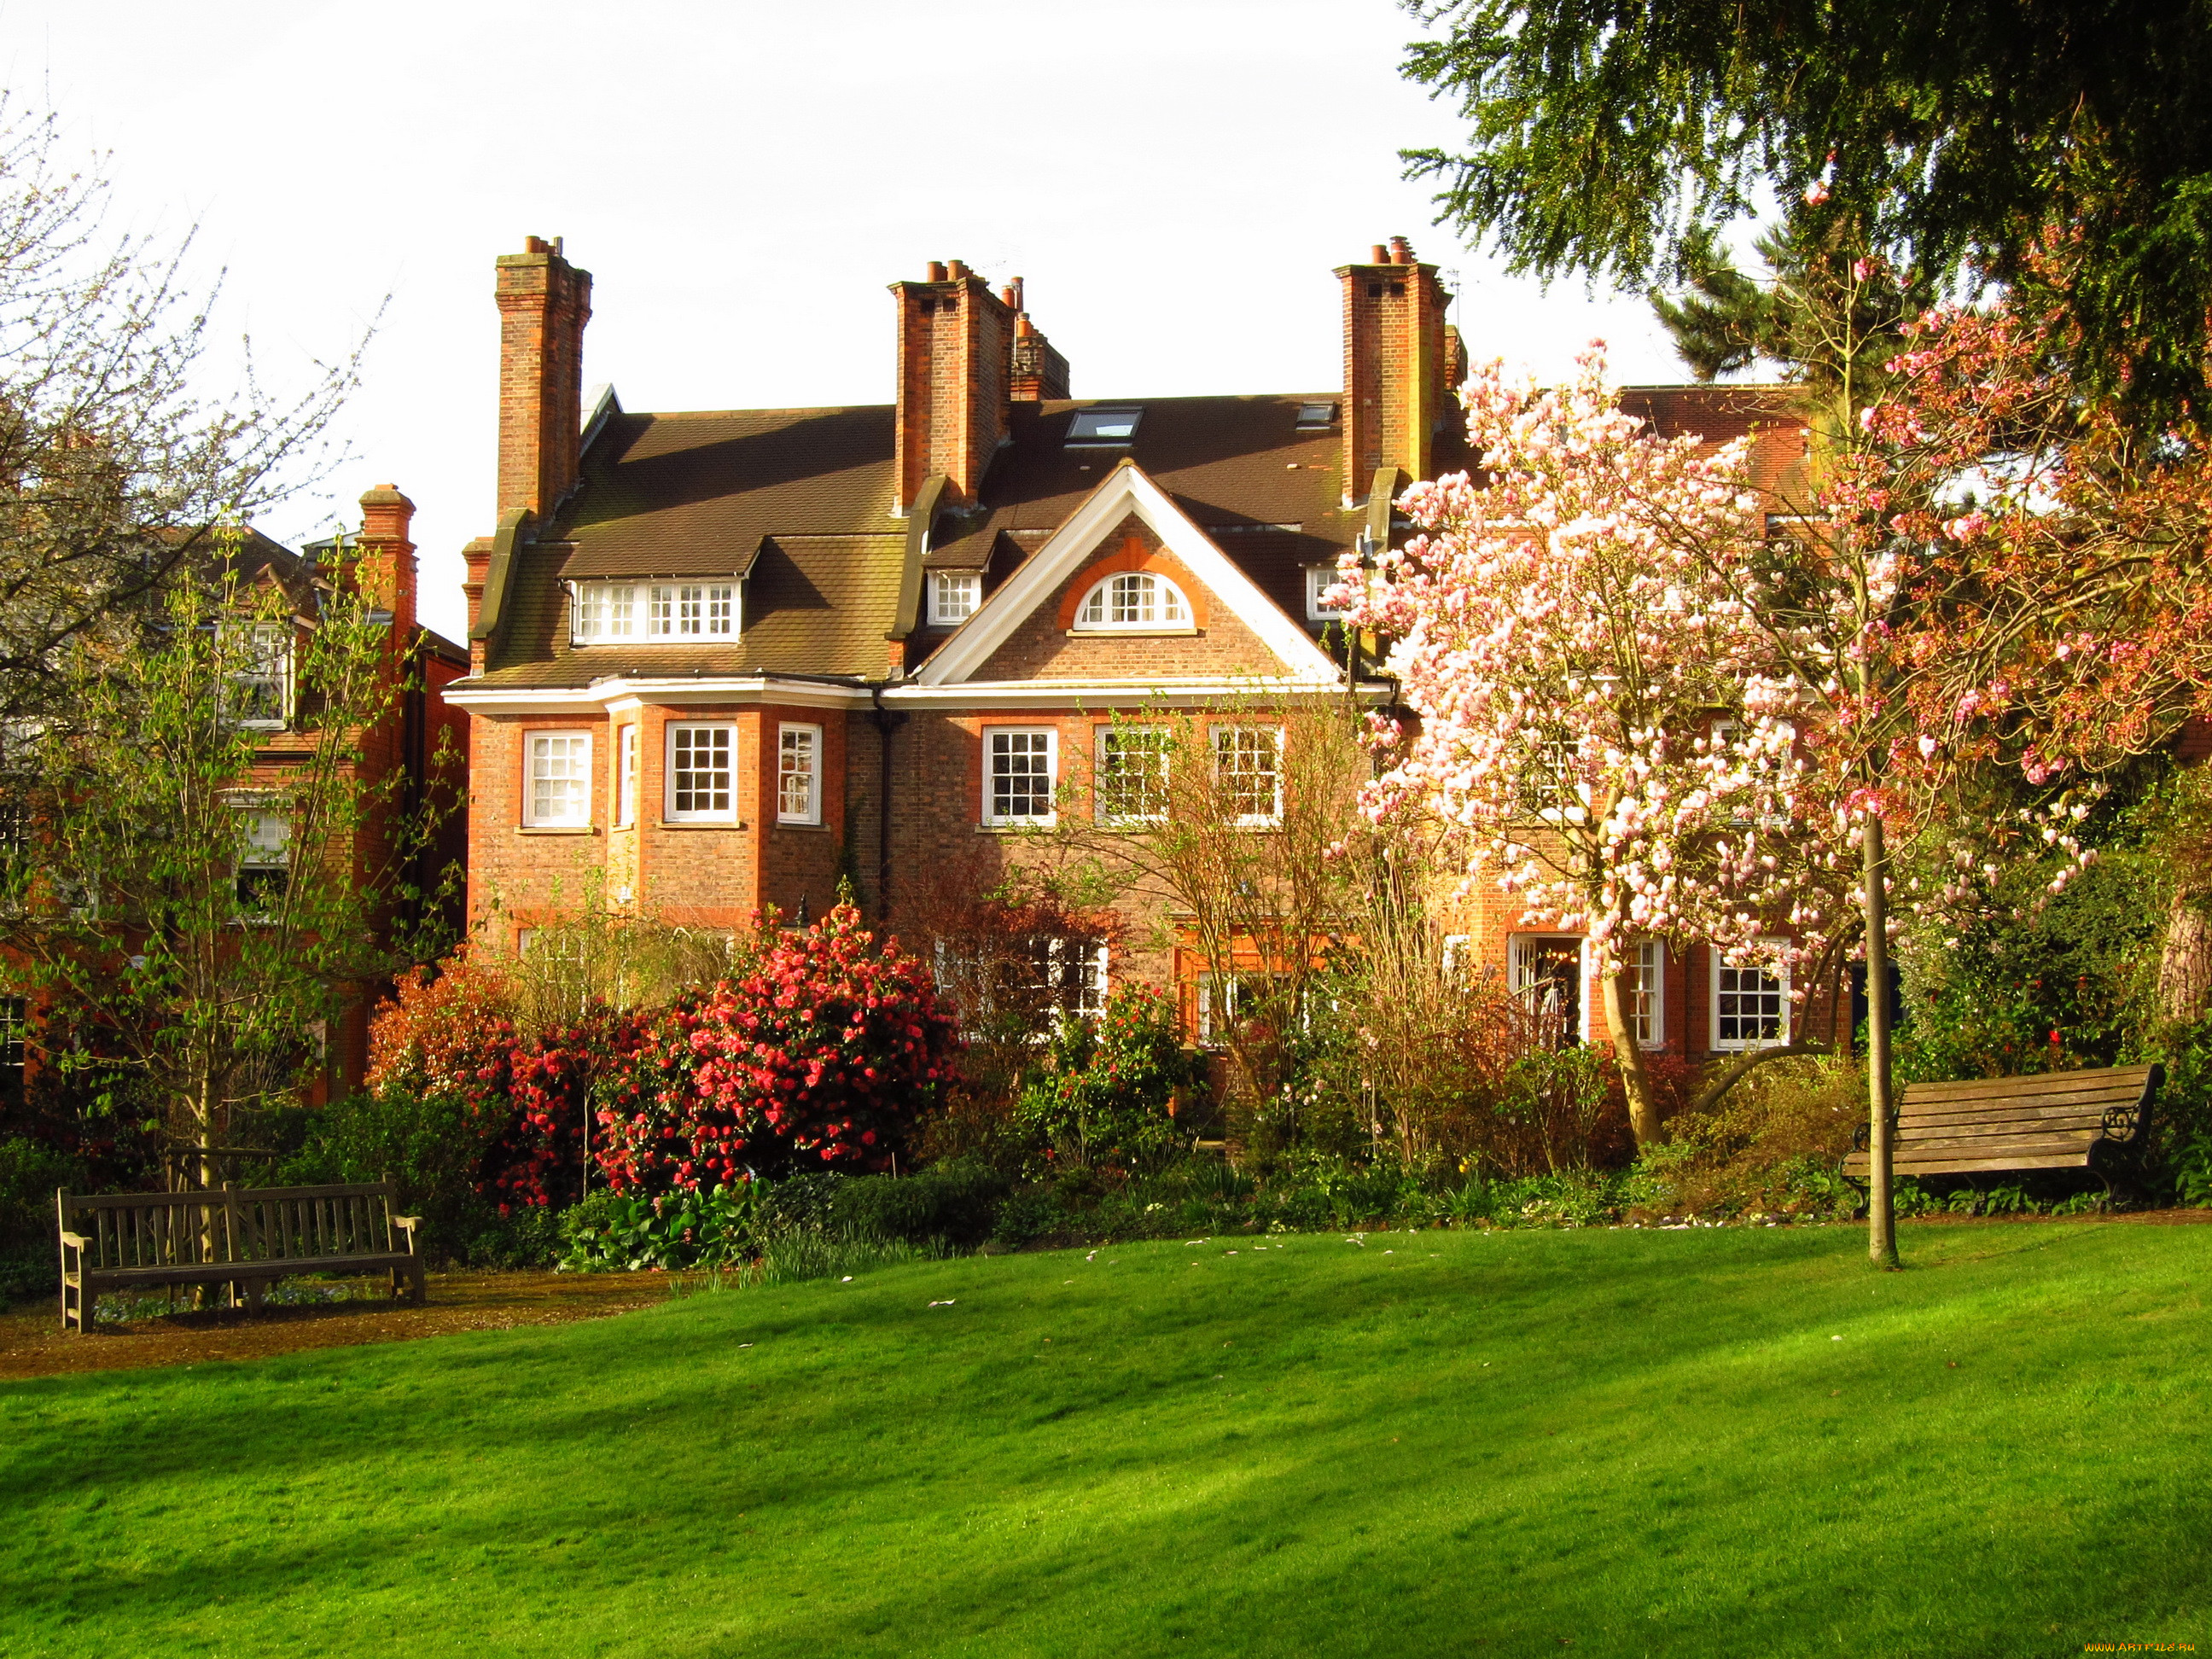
<point x="954" y="367"/>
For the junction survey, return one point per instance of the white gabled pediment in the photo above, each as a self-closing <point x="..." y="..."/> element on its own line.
<point x="1129" y="490"/>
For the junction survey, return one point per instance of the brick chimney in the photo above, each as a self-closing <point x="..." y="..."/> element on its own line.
<point x="956" y="353"/>
<point x="544" y="304"/>
<point x="387" y="556"/>
<point x="1398" y="365"/>
<point x="1039" y="372"/>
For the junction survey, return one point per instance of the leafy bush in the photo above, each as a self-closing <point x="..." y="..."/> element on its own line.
<point x="828" y="1054"/>
<point x="953" y="1205"/>
<point x="630" y="1232"/>
<point x="1111" y="1090"/>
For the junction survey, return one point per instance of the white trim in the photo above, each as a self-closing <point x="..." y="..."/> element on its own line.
<point x="1126" y="489"/>
<point x="629" y="744"/>
<point x="668" y="811"/>
<point x="657" y="692"/>
<point x="530" y="818"/>
<point x="1773" y="969"/>
<point x="1044" y="820"/>
<point x="1103" y="695"/>
<point x="812" y="813"/>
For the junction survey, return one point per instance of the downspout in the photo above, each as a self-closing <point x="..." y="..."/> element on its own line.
<point x="887" y="721"/>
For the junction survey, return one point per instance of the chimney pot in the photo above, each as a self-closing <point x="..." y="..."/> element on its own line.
<point x="960" y="271"/>
<point x="1401" y="251"/>
<point x="1381" y="255"/>
<point x="937" y="270"/>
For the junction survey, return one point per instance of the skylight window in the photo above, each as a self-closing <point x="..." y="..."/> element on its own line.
<point x="1106" y="428"/>
<point x="1316" y="417"/>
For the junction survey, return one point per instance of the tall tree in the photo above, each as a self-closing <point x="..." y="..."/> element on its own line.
<point x="1606" y="139"/>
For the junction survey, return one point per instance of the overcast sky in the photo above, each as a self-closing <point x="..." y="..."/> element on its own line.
<point x="1174" y="179"/>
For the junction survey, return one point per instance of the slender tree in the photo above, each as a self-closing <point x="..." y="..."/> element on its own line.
<point x="210" y="874"/>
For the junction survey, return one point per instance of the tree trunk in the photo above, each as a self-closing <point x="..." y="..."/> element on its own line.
<point x="1882" y="1215"/>
<point x="1642" y="1111"/>
<point x="2185" y="963"/>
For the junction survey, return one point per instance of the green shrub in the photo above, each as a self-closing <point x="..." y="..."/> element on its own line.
<point x="29" y="1252"/>
<point x="628" y="1232"/>
<point x="1111" y="1090"/>
<point x="953" y="1204"/>
<point x="430" y="1146"/>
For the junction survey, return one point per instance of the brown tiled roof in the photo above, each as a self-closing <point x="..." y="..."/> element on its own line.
<point x="809" y="492"/>
<point x="814" y="604"/>
<point x="694" y="495"/>
<point x="1719" y="414"/>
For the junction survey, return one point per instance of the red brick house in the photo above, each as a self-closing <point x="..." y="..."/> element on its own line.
<point x="720" y="658"/>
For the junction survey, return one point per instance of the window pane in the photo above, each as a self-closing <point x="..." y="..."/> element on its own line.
<point x="626" y="786"/>
<point x="1132" y="774"/>
<point x="1247" y="763"/>
<point x="953" y="594"/>
<point x="699" y="771"/>
<point x="1547" y="974"/>
<point x="560" y="762"/>
<point x="1749" y="1007"/>
<point x="663" y="612"/>
<point x="1021" y="774"/>
<point x="796" y="774"/>
<point x="1104" y="425"/>
<point x="722" y="611"/>
<point x="1643" y="990"/>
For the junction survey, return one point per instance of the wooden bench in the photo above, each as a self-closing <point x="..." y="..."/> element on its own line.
<point x="2091" y="1121"/>
<point x="241" y="1237"/>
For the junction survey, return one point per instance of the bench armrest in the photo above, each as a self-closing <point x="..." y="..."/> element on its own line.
<point x="75" y="1240"/>
<point x="407" y="1224"/>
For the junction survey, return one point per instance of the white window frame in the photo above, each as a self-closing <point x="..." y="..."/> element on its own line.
<point x="1457" y="960"/>
<point x="1320" y="578"/>
<point x="678" y="732"/>
<point x="1521" y="979"/>
<point x="604" y="613"/>
<point x="1647" y="992"/>
<point x="812" y="811"/>
<point x="261" y="851"/>
<point x="1772" y="968"/>
<point x="269" y="646"/>
<point x="1090" y="967"/>
<point x="701" y="610"/>
<point x="579" y="757"/>
<point x="1171" y="607"/>
<point x="1268" y="820"/>
<point x="954" y="596"/>
<point x="627" y="746"/>
<point x="1156" y="737"/>
<point x="1049" y="816"/>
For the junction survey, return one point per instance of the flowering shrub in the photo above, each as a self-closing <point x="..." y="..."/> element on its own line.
<point x="826" y="1055"/>
<point x="1110" y="1094"/>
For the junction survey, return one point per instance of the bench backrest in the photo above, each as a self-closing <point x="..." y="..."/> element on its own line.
<point x="229" y="1224"/>
<point x="2114" y="1098"/>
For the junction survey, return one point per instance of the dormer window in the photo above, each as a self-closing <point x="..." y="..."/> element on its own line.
<point x="1320" y="578"/>
<point x="259" y="694"/>
<point x="1134" y="600"/>
<point x="1103" y="428"/>
<point x="609" y="612"/>
<point x="1317" y="417"/>
<point x="953" y="596"/>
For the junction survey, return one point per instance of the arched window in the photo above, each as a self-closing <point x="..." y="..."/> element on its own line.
<point x="1136" y="599"/>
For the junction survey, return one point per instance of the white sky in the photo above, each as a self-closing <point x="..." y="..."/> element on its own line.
<point x="1175" y="179"/>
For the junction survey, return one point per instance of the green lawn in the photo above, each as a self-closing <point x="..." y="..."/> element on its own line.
<point x="1436" y="1444"/>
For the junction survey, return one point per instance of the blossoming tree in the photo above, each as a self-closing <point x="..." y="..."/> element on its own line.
<point x="1603" y="722"/>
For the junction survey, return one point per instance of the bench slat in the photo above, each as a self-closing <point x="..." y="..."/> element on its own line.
<point x="1993" y="1146"/>
<point x="2135" y="1078"/>
<point x="1856" y="1163"/>
<point x="1969" y="1121"/>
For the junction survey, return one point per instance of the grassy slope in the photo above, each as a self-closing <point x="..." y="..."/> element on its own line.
<point x="1647" y="1442"/>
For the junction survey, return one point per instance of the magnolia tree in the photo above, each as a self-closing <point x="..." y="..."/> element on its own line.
<point x="1602" y="719"/>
